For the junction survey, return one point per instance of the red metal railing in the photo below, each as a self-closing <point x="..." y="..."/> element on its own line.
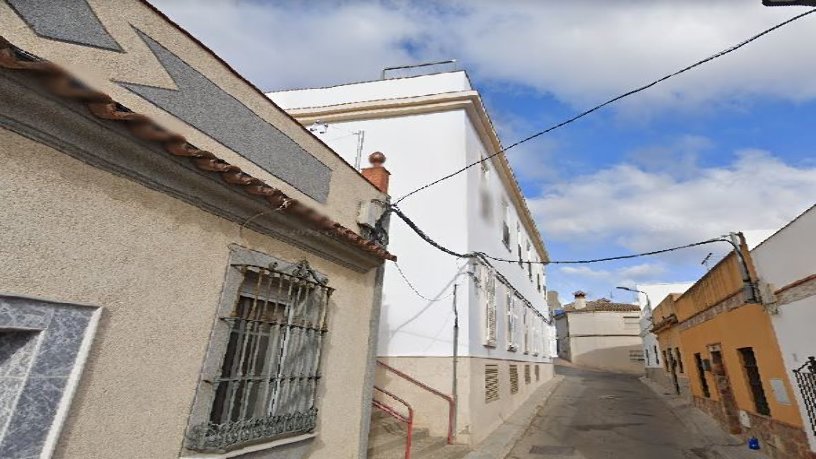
<point x="451" y="401"/>
<point x="396" y="414"/>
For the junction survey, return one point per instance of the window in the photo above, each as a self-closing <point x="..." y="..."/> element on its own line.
<point x="491" y="383"/>
<point x="698" y="360"/>
<point x="510" y="304"/>
<point x="527" y="378"/>
<point x="657" y="355"/>
<point x="529" y="260"/>
<point x="487" y="292"/>
<point x="635" y="355"/>
<point x="514" y="379"/>
<point x="665" y="361"/>
<point x="538" y="282"/>
<point x="538" y="372"/>
<point x="266" y="384"/>
<point x="648" y="359"/>
<point x="749" y="363"/>
<point x="506" y="224"/>
<point x="526" y="328"/>
<point x="679" y="360"/>
<point x="520" y="260"/>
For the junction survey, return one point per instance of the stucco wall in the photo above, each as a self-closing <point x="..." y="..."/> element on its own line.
<point x="71" y="232"/>
<point x="603" y="323"/>
<point x="746" y="326"/>
<point x="785" y="258"/>
<point x="606" y="352"/>
<point x="476" y="418"/>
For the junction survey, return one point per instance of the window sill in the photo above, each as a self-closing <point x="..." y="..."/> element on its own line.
<point x="250" y="449"/>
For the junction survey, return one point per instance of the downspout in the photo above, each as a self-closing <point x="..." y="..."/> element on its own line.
<point x="455" y="358"/>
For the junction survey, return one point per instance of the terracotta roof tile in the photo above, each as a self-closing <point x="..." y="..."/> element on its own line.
<point x="101" y="105"/>
<point x="603" y="305"/>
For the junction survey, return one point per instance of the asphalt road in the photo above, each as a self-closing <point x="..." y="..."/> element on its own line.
<point x="597" y="415"/>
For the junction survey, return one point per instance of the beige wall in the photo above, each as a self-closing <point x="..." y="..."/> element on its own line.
<point x="476" y="419"/>
<point x="603" y="323"/>
<point x="606" y="352"/>
<point x="73" y="233"/>
<point x="103" y="69"/>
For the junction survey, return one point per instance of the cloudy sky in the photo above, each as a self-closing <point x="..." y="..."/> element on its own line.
<point x="727" y="147"/>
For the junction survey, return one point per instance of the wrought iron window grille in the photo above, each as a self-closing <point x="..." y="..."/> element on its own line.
<point x="806" y="380"/>
<point x="267" y="384"/>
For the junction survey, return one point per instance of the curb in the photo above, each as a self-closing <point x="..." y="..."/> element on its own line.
<point x="501" y="441"/>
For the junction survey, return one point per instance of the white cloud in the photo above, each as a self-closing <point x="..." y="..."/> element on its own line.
<point x="629" y="207"/>
<point x="580" y="51"/>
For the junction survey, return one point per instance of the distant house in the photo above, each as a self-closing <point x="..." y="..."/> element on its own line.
<point x="649" y="296"/>
<point x="600" y="334"/>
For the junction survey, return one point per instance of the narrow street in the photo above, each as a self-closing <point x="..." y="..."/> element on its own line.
<point x="598" y="415"/>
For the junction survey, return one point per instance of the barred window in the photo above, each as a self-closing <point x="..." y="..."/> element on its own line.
<point x="267" y="384"/>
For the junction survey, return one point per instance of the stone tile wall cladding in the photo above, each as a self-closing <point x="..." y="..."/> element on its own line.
<point x="777" y="439"/>
<point x="40" y="345"/>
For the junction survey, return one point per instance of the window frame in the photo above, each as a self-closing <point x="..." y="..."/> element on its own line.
<point x="201" y="410"/>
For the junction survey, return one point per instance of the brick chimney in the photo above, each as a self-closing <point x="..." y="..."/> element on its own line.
<point x="377" y="174"/>
<point x="580" y="300"/>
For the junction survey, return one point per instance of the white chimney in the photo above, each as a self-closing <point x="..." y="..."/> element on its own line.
<point x="580" y="300"/>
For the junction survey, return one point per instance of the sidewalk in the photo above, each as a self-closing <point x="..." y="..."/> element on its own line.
<point x="707" y="429"/>
<point x="499" y="443"/>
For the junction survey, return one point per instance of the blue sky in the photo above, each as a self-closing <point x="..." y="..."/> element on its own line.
<point x="728" y="146"/>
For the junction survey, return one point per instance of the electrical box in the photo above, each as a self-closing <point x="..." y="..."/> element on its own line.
<point x="370" y="212"/>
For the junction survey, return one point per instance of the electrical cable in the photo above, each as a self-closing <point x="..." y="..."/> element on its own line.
<point x="611" y="101"/>
<point x="411" y="286"/>
<point x="484" y="257"/>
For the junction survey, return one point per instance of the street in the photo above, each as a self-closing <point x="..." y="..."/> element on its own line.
<point x="595" y="415"/>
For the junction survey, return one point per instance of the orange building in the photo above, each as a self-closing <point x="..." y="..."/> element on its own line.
<point x="674" y="374"/>
<point x="734" y="365"/>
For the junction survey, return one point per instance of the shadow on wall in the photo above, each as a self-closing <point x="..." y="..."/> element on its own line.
<point x="617" y="359"/>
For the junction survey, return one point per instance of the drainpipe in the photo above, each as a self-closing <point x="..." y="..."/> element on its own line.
<point x="749" y="287"/>
<point x="455" y="355"/>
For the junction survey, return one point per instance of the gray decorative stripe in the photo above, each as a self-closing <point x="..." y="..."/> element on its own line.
<point x="201" y="103"/>
<point x="71" y="21"/>
<point x="39" y="347"/>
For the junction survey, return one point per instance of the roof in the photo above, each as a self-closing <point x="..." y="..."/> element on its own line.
<point x="469" y="100"/>
<point x="603" y="305"/>
<point x="102" y="106"/>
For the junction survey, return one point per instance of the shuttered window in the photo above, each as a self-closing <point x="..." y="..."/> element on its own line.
<point x="510" y="305"/>
<point x="749" y="363"/>
<point x="514" y="379"/>
<point x="487" y="295"/>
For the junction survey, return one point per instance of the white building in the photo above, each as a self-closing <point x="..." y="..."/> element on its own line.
<point x="428" y="126"/>
<point x="786" y="266"/>
<point x="649" y="297"/>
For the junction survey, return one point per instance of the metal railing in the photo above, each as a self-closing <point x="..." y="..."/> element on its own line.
<point x="806" y="380"/>
<point x="409" y="419"/>
<point x="451" y="401"/>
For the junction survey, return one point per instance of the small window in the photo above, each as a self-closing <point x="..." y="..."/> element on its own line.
<point x="491" y="383"/>
<point x="648" y="361"/>
<point x="506" y="224"/>
<point x="487" y="294"/>
<point x="751" y="368"/>
<point x="527" y="378"/>
<point x="698" y="360"/>
<point x="266" y="387"/>
<point x="538" y="372"/>
<point x="635" y="355"/>
<point x="665" y="361"/>
<point x="510" y="310"/>
<point x="514" y="379"/>
<point x="679" y="360"/>
<point x="538" y="281"/>
<point x="657" y="355"/>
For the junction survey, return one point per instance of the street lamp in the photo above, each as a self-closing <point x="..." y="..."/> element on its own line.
<point x="648" y="301"/>
<point x="789" y="2"/>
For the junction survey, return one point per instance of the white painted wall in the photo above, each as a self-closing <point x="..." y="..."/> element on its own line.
<point x="657" y="293"/>
<point x="602" y="323"/>
<point x="418" y="148"/>
<point x="784" y="258"/>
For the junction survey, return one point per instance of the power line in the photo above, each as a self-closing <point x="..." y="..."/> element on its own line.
<point x="613" y="100"/>
<point x="411" y="286"/>
<point x="484" y="257"/>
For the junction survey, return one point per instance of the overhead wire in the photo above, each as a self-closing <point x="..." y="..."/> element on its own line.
<point x="611" y="101"/>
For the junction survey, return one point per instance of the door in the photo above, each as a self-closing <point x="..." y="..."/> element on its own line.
<point x="727" y="400"/>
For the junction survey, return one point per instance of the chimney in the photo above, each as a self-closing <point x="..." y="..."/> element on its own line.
<point x="580" y="300"/>
<point x="377" y="174"/>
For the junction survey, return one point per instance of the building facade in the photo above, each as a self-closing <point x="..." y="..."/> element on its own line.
<point x="430" y="124"/>
<point x="649" y="296"/>
<point x="730" y="352"/>
<point x="786" y="265"/>
<point x="672" y="372"/>
<point x="600" y="334"/>
<point x="184" y="274"/>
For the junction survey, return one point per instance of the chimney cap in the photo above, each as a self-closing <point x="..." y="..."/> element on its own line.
<point x="376" y="159"/>
<point x="579" y="294"/>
